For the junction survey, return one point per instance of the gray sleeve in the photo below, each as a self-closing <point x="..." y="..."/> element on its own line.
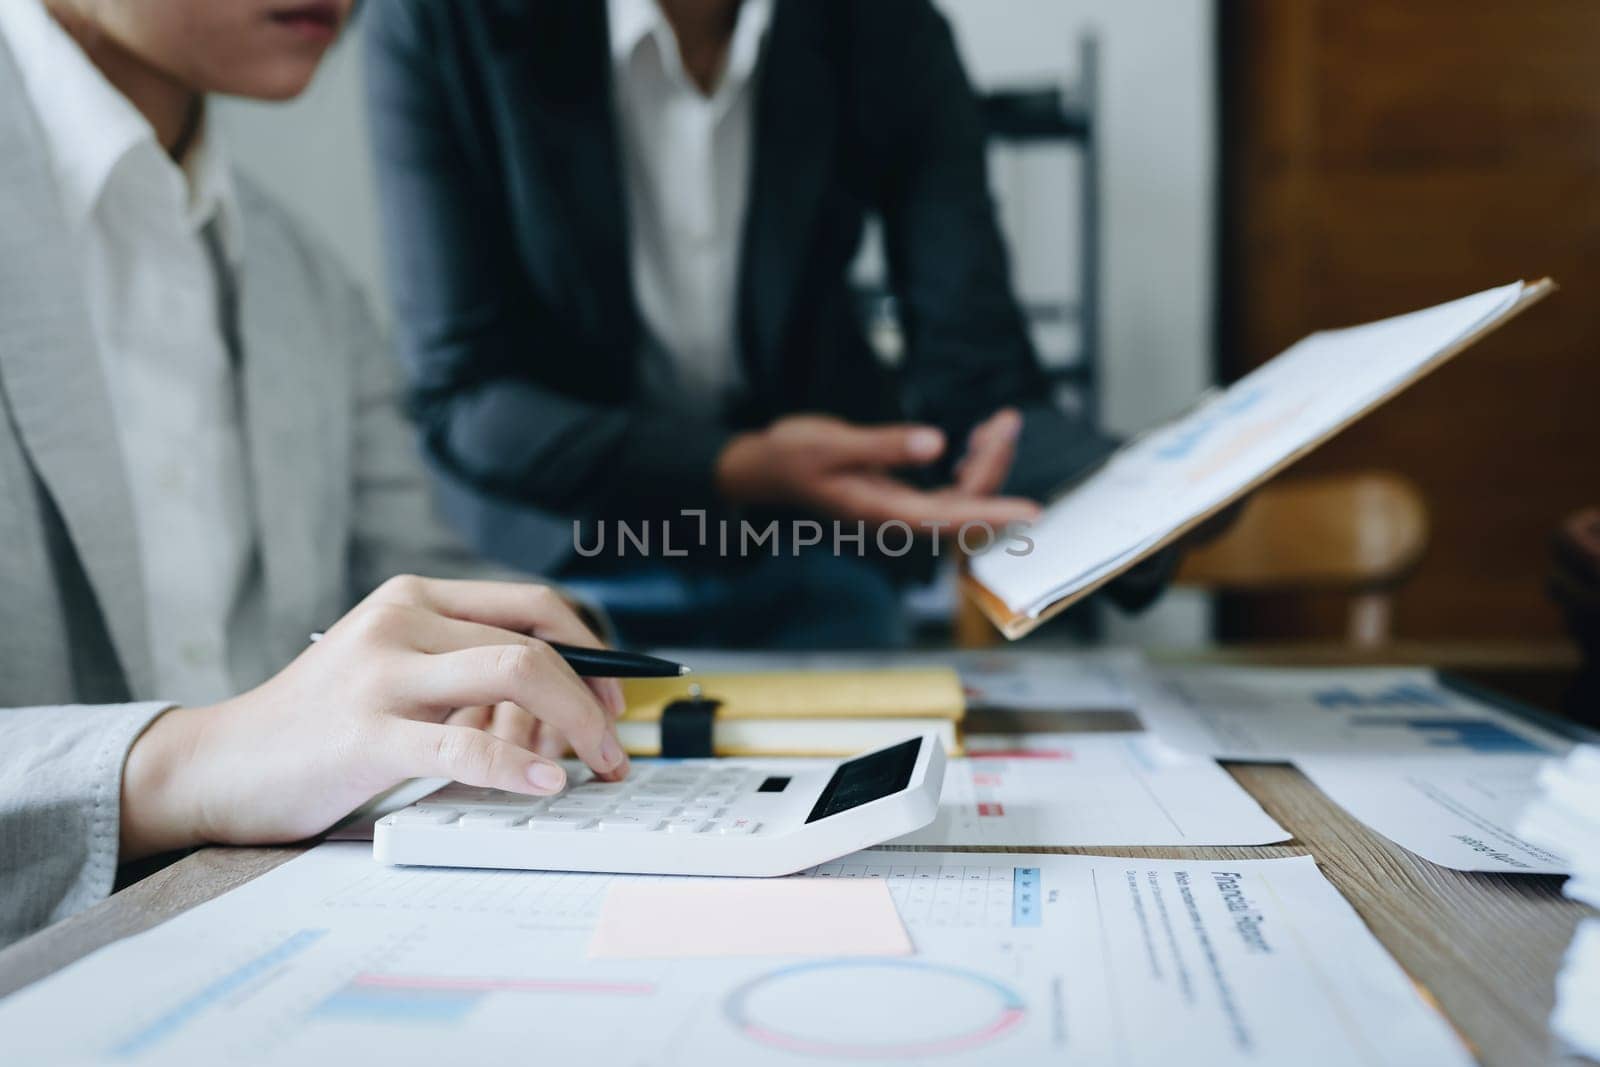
<point x="61" y="807"/>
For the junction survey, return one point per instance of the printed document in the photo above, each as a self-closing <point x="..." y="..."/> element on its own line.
<point x="1091" y="789"/>
<point x="1274" y="714"/>
<point x="1018" y="959"/>
<point x="1187" y="468"/>
<point x="1458" y="810"/>
<point x="1432" y="769"/>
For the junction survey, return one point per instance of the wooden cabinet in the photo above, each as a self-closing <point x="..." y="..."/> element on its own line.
<point x="1381" y="156"/>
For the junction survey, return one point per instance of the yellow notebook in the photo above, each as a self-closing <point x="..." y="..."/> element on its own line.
<point x="790" y="713"/>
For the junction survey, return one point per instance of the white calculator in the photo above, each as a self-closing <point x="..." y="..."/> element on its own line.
<point x="754" y="818"/>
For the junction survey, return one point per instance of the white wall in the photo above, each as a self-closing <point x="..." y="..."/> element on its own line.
<point x="1157" y="113"/>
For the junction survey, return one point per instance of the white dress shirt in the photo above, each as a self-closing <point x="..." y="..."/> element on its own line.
<point x="686" y="158"/>
<point x="139" y="222"/>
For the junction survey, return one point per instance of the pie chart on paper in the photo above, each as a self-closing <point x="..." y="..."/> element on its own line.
<point x="874" y="1010"/>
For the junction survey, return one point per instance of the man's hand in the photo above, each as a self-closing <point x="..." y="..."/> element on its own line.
<point x="375" y="702"/>
<point x="845" y="471"/>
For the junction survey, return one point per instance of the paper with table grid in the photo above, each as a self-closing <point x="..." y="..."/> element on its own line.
<point x="1018" y="959"/>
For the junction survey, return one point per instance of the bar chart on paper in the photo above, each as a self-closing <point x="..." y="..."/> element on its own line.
<point x="425" y="998"/>
<point x="1262" y="713"/>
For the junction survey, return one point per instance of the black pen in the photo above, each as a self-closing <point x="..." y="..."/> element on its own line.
<point x="607" y="662"/>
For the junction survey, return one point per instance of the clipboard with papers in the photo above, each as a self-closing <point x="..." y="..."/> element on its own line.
<point x="1163" y="484"/>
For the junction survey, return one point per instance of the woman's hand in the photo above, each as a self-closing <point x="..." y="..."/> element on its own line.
<point x="371" y="704"/>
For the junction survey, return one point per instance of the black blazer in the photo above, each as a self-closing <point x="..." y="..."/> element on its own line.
<point x="503" y="202"/>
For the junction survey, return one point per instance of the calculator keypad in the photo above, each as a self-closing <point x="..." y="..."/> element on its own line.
<point x="670" y="799"/>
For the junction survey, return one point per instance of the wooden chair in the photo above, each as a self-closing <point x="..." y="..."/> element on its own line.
<point x="1359" y="534"/>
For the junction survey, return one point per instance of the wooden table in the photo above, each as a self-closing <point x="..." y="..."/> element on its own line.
<point x="1485" y="947"/>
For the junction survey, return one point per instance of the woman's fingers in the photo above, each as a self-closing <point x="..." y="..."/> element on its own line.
<point x="531" y="676"/>
<point x="478" y="717"/>
<point x="435" y="633"/>
<point x="552" y="745"/>
<point x="414" y="749"/>
<point x="521" y="607"/>
<point x="609" y="692"/>
<point x="511" y="722"/>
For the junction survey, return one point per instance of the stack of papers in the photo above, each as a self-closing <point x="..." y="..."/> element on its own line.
<point x="1566" y="818"/>
<point x="1434" y="770"/>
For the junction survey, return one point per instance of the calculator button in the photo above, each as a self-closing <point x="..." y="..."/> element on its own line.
<point x="558" y="823"/>
<point x="655" y="792"/>
<point x="500" y="799"/>
<point x="596" y="789"/>
<point x="629" y="823"/>
<point x="637" y="804"/>
<point x="646" y="814"/>
<point x="684" y="778"/>
<point x="426" y="816"/>
<point x="513" y="804"/>
<point x="589" y="804"/>
<point x="685" y="824"/>
<point x="490" y="819"/>
<point x="461" y="794"/>
<point x="704" y="811"/>
<point x="737" y="826"/>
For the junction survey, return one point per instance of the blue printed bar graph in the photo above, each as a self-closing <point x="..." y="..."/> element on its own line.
<point x="386" y="1004"/>
<point x="441" y="1000"/>
<point x="1025" y="891"/>
<point x="175" y="1019"/>
<point x="1473" y="735"/>
<point x="1404" y="695"/>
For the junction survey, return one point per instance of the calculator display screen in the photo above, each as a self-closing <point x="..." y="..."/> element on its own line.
<point x="867" y="778"/>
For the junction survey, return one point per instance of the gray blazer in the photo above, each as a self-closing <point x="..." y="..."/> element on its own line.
<point x="341" y="502"/>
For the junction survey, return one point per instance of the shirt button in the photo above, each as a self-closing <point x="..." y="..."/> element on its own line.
<point x="197" y="653"/>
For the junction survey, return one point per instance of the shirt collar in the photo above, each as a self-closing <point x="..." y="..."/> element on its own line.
<point x="631" y="22"/>
<point x="211" y="190"/>
<point x="90" y="127"/>
<point x="745" y="49"/>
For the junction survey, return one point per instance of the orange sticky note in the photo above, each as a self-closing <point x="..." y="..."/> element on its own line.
<point x="677" y="918"/>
